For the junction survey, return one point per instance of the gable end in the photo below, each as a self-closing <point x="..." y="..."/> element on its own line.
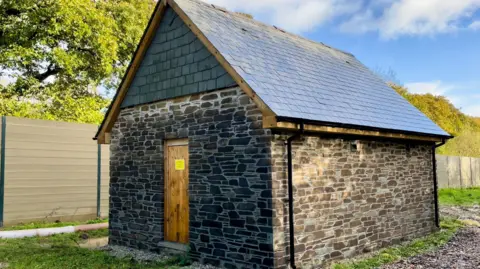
<point x="175" y="64"/>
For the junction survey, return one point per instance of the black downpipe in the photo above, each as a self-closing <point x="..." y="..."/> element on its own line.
<point x="435" y="183"/>
<point x="290" y="196"/>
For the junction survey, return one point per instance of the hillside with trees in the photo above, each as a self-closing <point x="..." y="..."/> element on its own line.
<point x="466" y="129"/>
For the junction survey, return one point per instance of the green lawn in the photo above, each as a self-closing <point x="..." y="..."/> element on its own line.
<point x="36" y="225"/>
<point x="464" y="197"/>
<point x="415" y="247"/>
<point x="62" y="251"/>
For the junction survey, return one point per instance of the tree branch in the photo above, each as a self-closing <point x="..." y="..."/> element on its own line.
<point x="12" y="12"/>
<point x="87" y="50"/>
<point x="51" y="70"/>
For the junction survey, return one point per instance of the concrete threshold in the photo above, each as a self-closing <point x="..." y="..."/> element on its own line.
<point x="173" y="246"/>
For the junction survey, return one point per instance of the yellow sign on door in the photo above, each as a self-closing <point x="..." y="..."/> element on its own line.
<point x="180" y="164"/>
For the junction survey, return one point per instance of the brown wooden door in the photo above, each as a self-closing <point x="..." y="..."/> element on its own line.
<point x="176" y="191"/>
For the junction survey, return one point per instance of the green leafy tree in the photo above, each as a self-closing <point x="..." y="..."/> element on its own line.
<point x="466" y="143"/>
<point x="85" y="109"/>
<point x="477" y="120"/>
<point x="466" y="129"/>
<point x="440" y="110"/>
<point x="61" y="51"/>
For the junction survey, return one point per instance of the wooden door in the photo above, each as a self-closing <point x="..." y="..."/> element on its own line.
<point x="176" y="191"/>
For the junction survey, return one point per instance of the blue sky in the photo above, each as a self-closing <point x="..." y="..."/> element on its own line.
<point x="431" y="45"/>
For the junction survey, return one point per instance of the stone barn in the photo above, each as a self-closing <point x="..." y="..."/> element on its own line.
<point x="251" y="147"/>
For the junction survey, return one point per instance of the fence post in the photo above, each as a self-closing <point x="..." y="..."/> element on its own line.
<point x="471" y="174"/>
<point x="99" y="178"/>
<point x="448" y="173"/>
<point x="460" y="171"/>
<point x="2" y="169"/>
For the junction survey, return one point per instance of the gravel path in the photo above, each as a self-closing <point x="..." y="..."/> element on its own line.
<point x="461" y="212"/>
<point x="462" y="251"/>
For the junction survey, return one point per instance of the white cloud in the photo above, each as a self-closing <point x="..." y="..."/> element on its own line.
<point x="293" y="15"/>
<point x="360" y="23"/>
<point x="434" y="87"/>
<point x="414" y="17"/>
<point x="390" y="18"/>
<point x="463" y="96"/>
<point x="473" y="110"/>
<point x="474" y="25"/>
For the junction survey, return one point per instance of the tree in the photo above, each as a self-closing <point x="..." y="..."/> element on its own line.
<point x="466" y="129"/>
<point x="63" y="50"/>
<point x="74" y="44"/>
<point x="85" y="109"/>
<point x="466" y="144"/>
<point x="477" y="120"/>
<point x="440" y="110"/>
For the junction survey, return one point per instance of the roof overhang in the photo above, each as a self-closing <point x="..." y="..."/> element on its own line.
<point x="289" y="125"/>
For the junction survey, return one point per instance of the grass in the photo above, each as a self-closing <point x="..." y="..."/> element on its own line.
<point x="62" y="251"/>
<point x="415" y="247"/>
<point x="36" y="225"/>
<point x="464" y="197"/>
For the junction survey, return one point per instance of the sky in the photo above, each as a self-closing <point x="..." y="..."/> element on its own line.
<point x="430" y="46"/>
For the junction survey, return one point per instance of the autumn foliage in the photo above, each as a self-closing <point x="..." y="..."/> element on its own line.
<point x="439" y="109"/>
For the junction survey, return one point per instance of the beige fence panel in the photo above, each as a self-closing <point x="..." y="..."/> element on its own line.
<point x="442" y="171"/>
<point x="458" y="172"/>
<point x="51" y="171"/>
<point x="476" y="171"/>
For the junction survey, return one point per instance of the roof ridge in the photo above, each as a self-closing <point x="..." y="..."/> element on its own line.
<point x="269" y="26"/>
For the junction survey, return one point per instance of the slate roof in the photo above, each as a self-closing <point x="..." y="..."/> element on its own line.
<point x="301" y="79"/>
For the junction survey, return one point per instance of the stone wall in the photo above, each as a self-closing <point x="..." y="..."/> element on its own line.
<point x="350" y="202"/>
<point x="230" y="186"/>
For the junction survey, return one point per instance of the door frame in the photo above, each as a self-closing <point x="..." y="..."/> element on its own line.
<point x="172" y="143"/>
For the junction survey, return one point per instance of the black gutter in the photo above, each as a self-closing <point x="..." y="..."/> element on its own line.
<point x="290" y="195"/>
<point x="435" y="183"/>
<point x="358" y="127"/>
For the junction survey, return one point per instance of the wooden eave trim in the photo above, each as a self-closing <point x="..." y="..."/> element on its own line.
<point x="266" y="111"/>
<point x="310" y="128"/>
<point x="112" y="114"/>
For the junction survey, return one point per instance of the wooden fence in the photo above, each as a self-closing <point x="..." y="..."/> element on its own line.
<point x="458" y="172"/>
<point x="51" y="171"/>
